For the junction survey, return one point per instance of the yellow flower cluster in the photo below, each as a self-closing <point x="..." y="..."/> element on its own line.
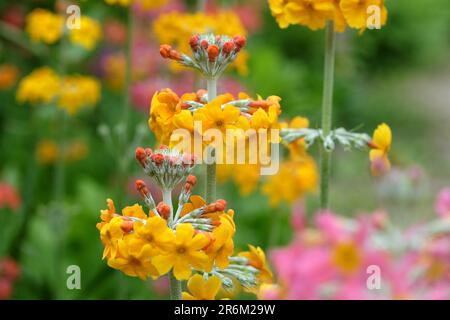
<point x="142" y="245"/>
<point x="40" y="86"/>
<point x="314" y="14"/>
<point x="297" y="175"/>
<point x="145" y="4"/>
<point x="43" y="85"/>
<point x="176" y="28"/>
<point x="88" y="35"/>
<point x="47" y="151"/>
<point x="44" y="26"/>
<point x="169" y="112"/>
<point x="48" y="27"/>
<point x="77" y="92"/>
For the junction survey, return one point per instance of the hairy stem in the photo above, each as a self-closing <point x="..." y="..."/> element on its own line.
<point x="167" y="199"/>
<point x="210" y="188"/>
<point x="327" y="112"/>
<point x="175" y="287"/>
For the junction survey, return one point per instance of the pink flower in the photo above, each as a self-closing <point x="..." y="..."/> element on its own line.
<point x="442" y="204"/>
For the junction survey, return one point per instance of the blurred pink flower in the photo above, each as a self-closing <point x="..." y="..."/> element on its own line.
<point x="442" y="205"/>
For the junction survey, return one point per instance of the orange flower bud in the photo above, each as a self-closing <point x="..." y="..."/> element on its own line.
<point x="193" y="42"/>
<point x="191" y="179"/>
<point x="228" y="47"/>
<point x="372" y="145"/>
<point x="220" y="205"/>
<point x="164" y="50"/>
<point x="141" y="156"/>
<point x="204" y="44"/>
<point x="163" y="210"/>
<point x="213" y="52"/>
<point x="240" y="42"/>
<point x="127" y="226"/>
<point x="141" y="188"/>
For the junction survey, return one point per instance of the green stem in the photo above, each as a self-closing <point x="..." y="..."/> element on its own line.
<point x="210" y="188"/>
<point x="175" y="287"/>
<point x="123" y="162"/>
<point x="327" y="112"/>
<point x="18" y="37"/>
<point x="167" y="199"/>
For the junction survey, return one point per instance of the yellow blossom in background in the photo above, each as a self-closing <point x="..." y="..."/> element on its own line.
<point x="357" y="13"/>
<point x="77" y="92"/>
<point x="176" y="28"/>
<point x="310" y="13"/>
<point x="257" y="259"/>
<point x="88" y="35"/>
<point x="245" y="176"/>
<point x="314" y="14"/>
<point x="151" y="4"/>
<point x="44" y="26"/>
<point x="201" y="289"/>
<point x="184" y="253"/>
<point x="119" y="2"/>
<point x="47" y="151"/>
<point x="8" y="75"/>
<point x="346" y="257"/>
<point x="114" y="68"/>
<point x="381" y="145"/>
<point x="145" y="4"/>
<point x="40" y="86"/>
<point x="76" y="151"/>
<point x="293" y="180"/>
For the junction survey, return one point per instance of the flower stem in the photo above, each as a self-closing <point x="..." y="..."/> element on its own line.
<point x="327" y="111"/>
<point x="211" y="168"/>
<point x="167" y="199"/>
<point x="175" y="287"/>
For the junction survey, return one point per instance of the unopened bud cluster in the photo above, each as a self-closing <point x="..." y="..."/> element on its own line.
<point x="167" y="167"/>
<point x="211" y="54"/>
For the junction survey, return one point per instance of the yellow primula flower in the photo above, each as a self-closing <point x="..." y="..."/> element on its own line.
<point x="44" y="26"/>
<point x="310" y="13"/>
<point x="213" y="116"/>
<point x="381" y="145"/>
<point x="110" y="234"/>
<point x="222" y="247"/>
<point x="162" y="110"/>
<point x="201" y="289"/>
<point x="155" y="232"/>
<point x="77" y="92"/>
<point x="134" y="258"/>
<point x="184" y="253"/>
<point x="357" y="13"/>
<point x="134" y="211"/>
<point x="257" y="259"/>
<point x="40" y="86"/>
<point x="88" y="35"/>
